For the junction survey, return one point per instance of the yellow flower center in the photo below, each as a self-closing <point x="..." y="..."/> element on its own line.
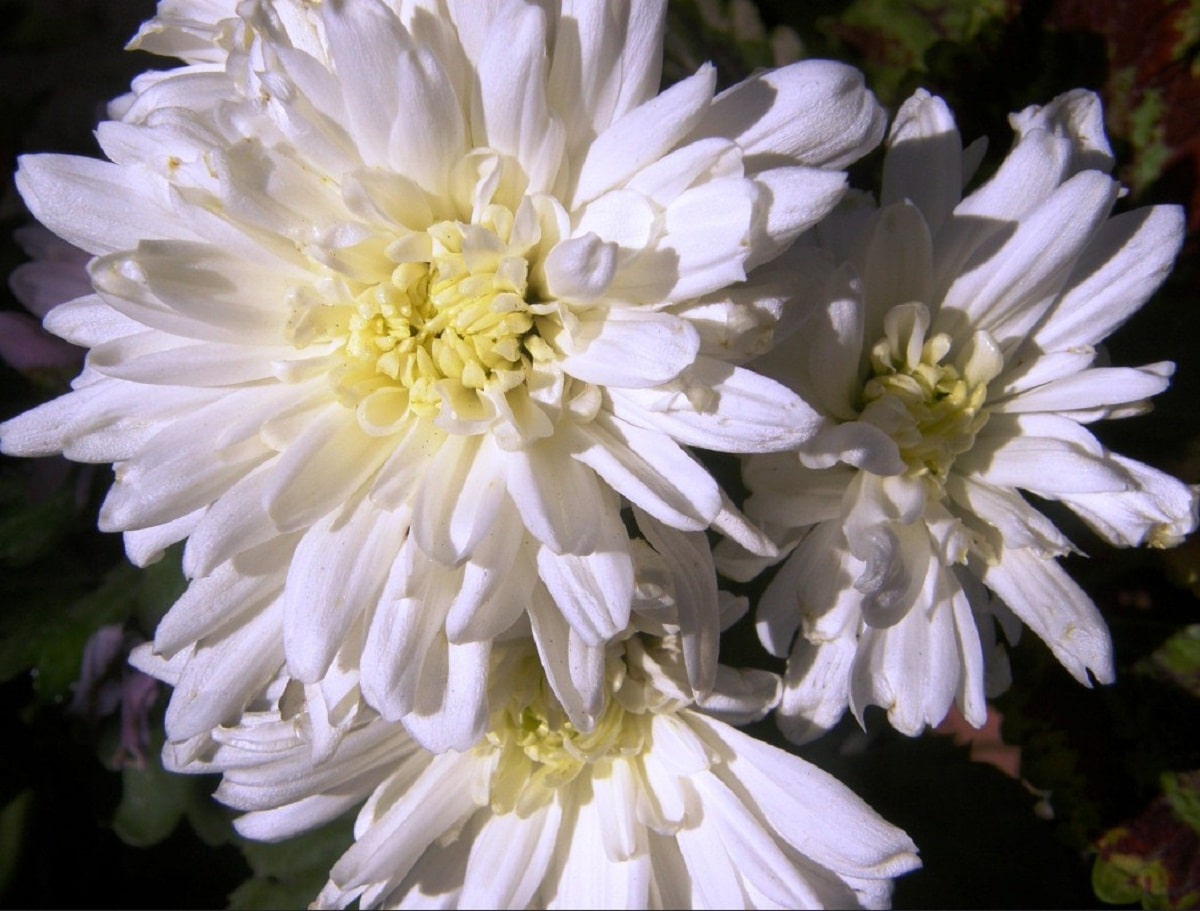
<point x="540" y="750"/>
<point x="448" y="327"/>
<point x="453" y="322"/>
<point x="932" y="409"/>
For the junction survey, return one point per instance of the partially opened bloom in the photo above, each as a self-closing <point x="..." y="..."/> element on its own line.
<point x="951" y="344"/>
<point x="661" y="805"/>
<point x="394" y="304"/>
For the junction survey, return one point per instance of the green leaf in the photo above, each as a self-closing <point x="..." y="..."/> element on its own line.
<point x="1182" y="791"/>
<point x="289" y="874"/>
<point x="38" y="633"/>
<point x="1178" y="659"/>
<point x="1113" y="884"/>
<point x="153" y="801"/>
<point x="29" y="530"/>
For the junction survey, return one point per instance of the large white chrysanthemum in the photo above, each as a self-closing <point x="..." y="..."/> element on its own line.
<point x="395" y="303"/>
<point x="952" y="346"/>
<point x="660" y="805"/>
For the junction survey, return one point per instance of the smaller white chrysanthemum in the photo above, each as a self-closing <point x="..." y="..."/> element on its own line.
<point x="660" y="805"/>
<point x="951" y="346"/>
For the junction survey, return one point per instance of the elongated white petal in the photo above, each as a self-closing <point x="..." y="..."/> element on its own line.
<point x="1129" y="257"/>
<point x="816" y="112"/>
<point x="332" y="581"/>
<point x="744" y="411"/>
<point x="1044" y="597"/>
<point x="95" y="205"/>
<point x="924" y="163"/>
<point x="652" y="471"/>
<point x="631" y="348"/>
<point x="644" y="134"/>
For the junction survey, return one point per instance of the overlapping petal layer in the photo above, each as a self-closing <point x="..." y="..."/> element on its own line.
<point x="951" y="343"/>
<point x="396" y="305"/>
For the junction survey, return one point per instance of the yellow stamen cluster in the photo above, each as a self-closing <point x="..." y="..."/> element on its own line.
<point x="941" y="408"/>
<point x="447" y="328"/>
<point x="540" y="750"/>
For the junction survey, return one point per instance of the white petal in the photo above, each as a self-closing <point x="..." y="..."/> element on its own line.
<point x="322" y="469"/>
<point x="1053" y="606"/>
<point x="924" y="159"/>
<point x="210" y="603"/>
<point x="689" y="558"/>
<point x="643" y="135"/>
<point x="583" y="881"/>
<point x="243" y="658"/>
<point x="450" y="708"/>
<point x="1094" y="388"/>
<point x="511" y="113"/>
<point x="557" y="497"/>
<point x="595" y="590"/>
<point x="88" y="321"/>
<point x="797" y="198"/>
<point x="607" y="60"/>
<point x="816" y="688"/>
<point x="816" y="113"/>
<point x="1125" y="262"/>
<point x="580" y="269"/>
<point x="626" y="347"/>
<point x="1043" y="465"/>
<point x="740" y="411"/>
<point x="95" y="205"/>
<point x="365" y="40"/>
<point x="458" y="500"/>
<point x="1078" y="116"/>
<point x="1008" y="293"/>
<point x="435" y="803"/>
<point x="509" y="858"/>
<point x="796" y="798"/>
<point x="336" y="575"/>
<point x="1158" y="510"/>
<point x="652" y="471"/>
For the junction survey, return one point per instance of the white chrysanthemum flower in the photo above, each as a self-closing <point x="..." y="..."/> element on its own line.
<point x="395" y="304"/>
<point x="951" y="344"/>
<point x="660" y="805"/>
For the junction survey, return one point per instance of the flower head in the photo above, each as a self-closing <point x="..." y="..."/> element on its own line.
<point x="659" y="805"/>
<point x="951" y="344"/>
<point x="395" y="306"/>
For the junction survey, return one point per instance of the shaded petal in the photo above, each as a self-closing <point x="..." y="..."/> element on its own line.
<point x="336" y="575"/>
<point x="817" y="113"/>
<point x="1008" y="293"/>
<point x="651" y="470"/>
<point x="924" y="161"/>
<point x="738" y="411"/>
<point x="594" y="590"/>
<point x="322" y="469"/>
<point x="1128" y="258"/>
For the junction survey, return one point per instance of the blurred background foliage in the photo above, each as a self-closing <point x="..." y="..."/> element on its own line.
<point x="1068" y="797"/>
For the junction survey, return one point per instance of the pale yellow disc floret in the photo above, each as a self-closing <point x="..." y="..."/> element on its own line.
<point x="454" y="324"/>
<point x="451" y="325"/>
<point x="538" y="750"/>
<point x="932" y="408"/>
